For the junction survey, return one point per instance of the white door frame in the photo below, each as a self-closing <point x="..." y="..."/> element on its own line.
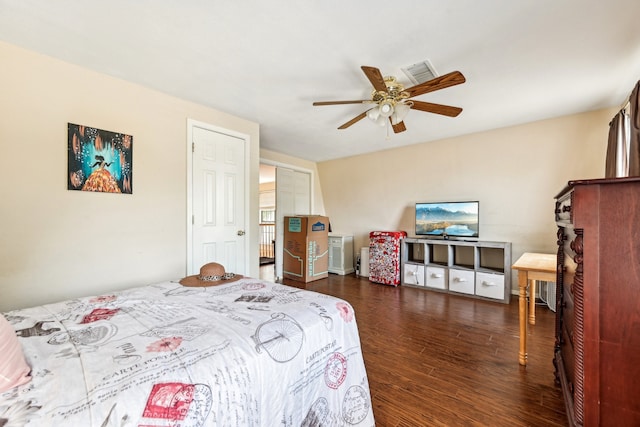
<point x="247" y="189"/>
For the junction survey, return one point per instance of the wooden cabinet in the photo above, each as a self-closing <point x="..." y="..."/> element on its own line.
<point x="597" y="349"/>
<point x="475" y="268"/>
<point x="340" y="254"/>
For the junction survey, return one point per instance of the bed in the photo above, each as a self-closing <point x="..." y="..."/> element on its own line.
<point x="247" y="353"/>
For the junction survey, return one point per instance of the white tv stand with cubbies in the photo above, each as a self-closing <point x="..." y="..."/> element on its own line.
<point x="473" y="268"/>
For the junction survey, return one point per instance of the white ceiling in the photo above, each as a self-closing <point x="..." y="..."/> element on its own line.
<point x="267" y="61"/>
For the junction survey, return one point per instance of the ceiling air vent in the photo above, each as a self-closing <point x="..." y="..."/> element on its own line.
<point x="420" y="72"/>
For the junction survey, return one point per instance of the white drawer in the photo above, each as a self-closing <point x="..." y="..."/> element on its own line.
<point x="490" y="285"/>
<point x="461" y="281"/>
<point x="436" y="277"/>
<point x="414" y="274"/>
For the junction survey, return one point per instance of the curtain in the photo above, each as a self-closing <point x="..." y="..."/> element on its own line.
<point x="634" y="125"/>
<point x="617" y="154"/>
<point x="623" y="149"/>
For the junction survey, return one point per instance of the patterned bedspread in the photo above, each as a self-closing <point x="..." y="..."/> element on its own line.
<point x="247" y="353"/>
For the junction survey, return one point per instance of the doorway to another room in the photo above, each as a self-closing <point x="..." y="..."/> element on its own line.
<point x="284" y="191"/>
<point x="267" y="234"/>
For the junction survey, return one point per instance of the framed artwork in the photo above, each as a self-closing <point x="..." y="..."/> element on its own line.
<point x="99" y="160"/>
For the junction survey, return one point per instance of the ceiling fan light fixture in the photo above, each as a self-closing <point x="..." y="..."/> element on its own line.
<point x="386" y="108"/>
<point x="399" y="113"/>
<point x="391" y="102"/>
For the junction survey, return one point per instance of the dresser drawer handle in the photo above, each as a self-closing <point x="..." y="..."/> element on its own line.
<point x="459" y="279"/>
<point x="485" y="283"/>
<point x="436" y="276"/>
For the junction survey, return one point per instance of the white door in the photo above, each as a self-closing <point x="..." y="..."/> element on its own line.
<point x="218" y="200"/>
<point x="293" y="197"/>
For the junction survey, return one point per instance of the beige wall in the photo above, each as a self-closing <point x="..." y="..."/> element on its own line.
<point x="268" y="186"/>
<point x="514" y="172"/>
<point x="58" y="244"/>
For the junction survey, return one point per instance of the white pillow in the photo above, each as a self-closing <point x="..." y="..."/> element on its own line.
<point x="14" y="370"/>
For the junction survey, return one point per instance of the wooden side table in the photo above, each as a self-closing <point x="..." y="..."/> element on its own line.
<point x="531" y="267"/>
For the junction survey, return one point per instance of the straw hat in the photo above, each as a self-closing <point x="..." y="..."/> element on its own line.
<point x="211" y="274"/>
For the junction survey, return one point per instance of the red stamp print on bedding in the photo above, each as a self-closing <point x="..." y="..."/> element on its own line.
<point x="169" y="401"/>
<point x="102" y="299"/>
<point x="346" y="312"/>
<point x="178" y="405"/>
<point x="165" y="344"/>
<point x="253" y="286"/>
<point x="99" y="314"/>
<point x="336" y="370"/>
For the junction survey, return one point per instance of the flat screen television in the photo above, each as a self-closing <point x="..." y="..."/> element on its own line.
<point x="447" y="219"/>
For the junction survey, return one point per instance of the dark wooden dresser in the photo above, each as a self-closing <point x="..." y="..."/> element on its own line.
<point x="597" y="348"/>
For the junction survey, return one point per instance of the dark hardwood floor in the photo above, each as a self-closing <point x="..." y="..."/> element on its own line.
<point x="444" y="360"/>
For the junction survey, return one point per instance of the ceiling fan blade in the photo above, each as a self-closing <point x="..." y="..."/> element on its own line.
<point x="354" y="120"/>
<point x="361" y="101"/>
<point x="451" y="79"/>
<point x="400" y="127"/>
<point x="375" y="77"/>
<point x="445" y="110"/>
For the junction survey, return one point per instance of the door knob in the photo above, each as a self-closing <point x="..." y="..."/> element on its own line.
<point x="240" y="232"/>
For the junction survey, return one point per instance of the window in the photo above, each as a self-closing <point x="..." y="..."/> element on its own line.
<point x="267" y="216"/>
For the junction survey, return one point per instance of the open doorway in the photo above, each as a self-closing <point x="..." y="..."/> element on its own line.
<point x="284" y="190"/>
<point x="267" y="208"/>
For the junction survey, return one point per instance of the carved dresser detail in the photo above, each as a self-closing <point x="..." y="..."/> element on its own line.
<point x="597" y="346"/>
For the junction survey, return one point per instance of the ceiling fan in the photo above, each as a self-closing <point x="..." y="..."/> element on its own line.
<point x="392" y="101"/>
